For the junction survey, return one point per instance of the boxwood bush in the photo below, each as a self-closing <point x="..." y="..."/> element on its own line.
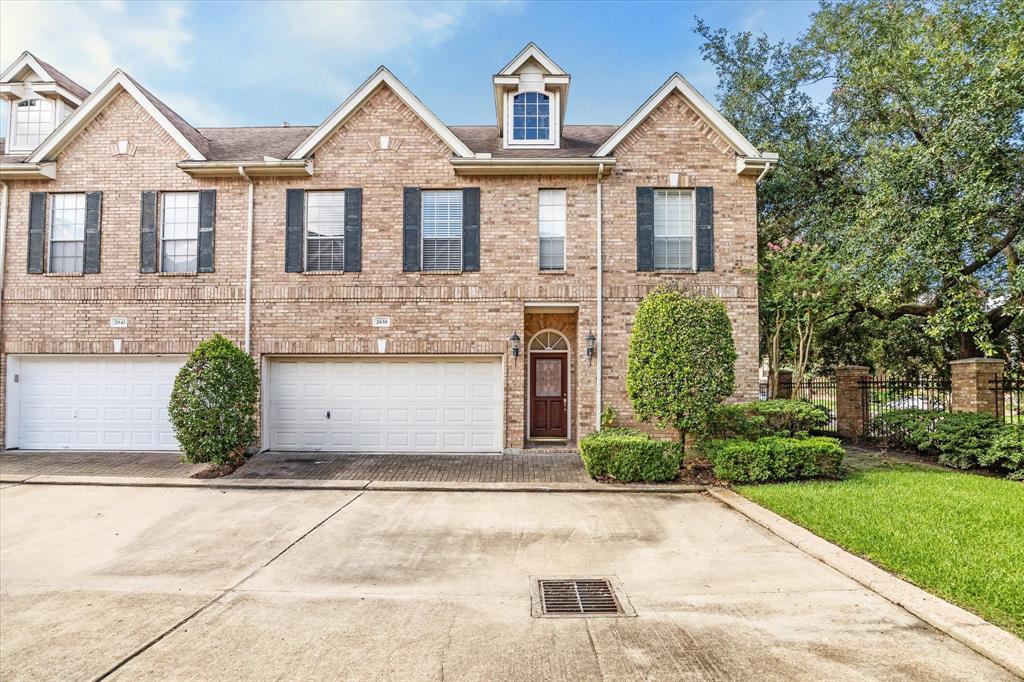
<point x="775" y="458"/>
<point x="630" y="456"/>
<point x="753" y="420"/>
<point x="909" y="428"/>
<point x="1007" y="451"/>
<point x="213" y="403"/>
<point x="961" y="440"/>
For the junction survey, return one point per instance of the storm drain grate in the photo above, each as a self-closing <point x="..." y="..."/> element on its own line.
<point x="576" y="597"/>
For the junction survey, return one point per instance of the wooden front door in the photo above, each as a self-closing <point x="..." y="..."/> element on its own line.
<point x="549" y="395"/>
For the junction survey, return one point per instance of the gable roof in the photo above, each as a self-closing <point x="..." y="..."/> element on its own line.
<point x="194" y="144"/>
<point x="704" y="108"/>
<point x="532" y="51"/>
<point x="379" y="78"/>
<point x="43" y="69"/>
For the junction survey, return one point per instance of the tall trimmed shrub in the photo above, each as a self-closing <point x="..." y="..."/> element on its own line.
<point x="681" y="359"/>
<point x="213" y="404"/>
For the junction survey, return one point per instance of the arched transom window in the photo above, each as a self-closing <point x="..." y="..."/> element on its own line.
<point x="548" y="341"/>
<point x="531" y="117"/>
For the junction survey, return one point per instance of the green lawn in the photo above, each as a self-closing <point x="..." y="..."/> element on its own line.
<point x="957" y="535"/>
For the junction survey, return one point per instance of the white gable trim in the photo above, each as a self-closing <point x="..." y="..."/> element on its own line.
<point x="26" y="59"/>
<point x="531" y="50"/>
<point x="356" y="100"/>
<point x="707" y="111"/>
<point x="93" y="105"/>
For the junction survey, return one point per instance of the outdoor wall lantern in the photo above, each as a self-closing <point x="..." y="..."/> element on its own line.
<point x="514" y="342"/>
<point x="591" y="340"/>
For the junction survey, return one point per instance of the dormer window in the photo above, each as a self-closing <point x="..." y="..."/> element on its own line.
<point x="32" y="120"/>
<point x="531" y="117"/>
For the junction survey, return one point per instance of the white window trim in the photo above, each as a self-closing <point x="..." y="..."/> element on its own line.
<point x="693" y="241"/>
<point x="565" y="229"/>
<point x="160" y="254"/>
<point x="305" y="230"/>
<point x="555" y="129"/>
<point x="51" y="207"/>
<point x="462" y="235"/>
<point x="13" y="144"/>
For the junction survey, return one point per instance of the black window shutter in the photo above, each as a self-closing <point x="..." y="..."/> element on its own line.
<point x="93" y="207"/>
<point x="471" y="229"/>
<point x="644" y="228"/>
<point x="295" y="228"/>
<point x="411" y="229"/>
<point x="353" y="230"/>
<point x="705" y="229"/>
<point x="148" y="242"/>
<point x="36" y="231"/>
<point x="207" y="222"/>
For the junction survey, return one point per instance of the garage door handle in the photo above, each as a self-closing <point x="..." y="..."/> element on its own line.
<point x="328" y="414"/>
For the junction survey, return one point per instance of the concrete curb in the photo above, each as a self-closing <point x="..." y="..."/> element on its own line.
<point x="992" y="642"/>
<point x="316" y="484"/>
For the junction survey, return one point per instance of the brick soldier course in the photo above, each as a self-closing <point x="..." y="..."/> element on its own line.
<point x="677" y="143"/>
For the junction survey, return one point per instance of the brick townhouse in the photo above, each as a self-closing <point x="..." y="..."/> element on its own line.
<point x="404" y="286"/>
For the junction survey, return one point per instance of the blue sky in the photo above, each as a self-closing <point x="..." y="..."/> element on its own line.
<point x="263" y="63"/>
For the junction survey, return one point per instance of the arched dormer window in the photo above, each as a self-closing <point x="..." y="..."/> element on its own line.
<point x="531" y="117"/>
<point x="32" y="120"/>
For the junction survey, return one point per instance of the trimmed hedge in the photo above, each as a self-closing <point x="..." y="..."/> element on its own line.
<point x="630" y="456"/>
<point x="774" y="458"/>
<point x="961" y="440"/>
<point x="1007" y="452"/>
<point x="213" y="403"/>
<point x="760" y="418"/>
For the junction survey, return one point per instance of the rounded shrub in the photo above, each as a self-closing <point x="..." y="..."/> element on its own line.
<point x="682" y="359"/>
<point x="775" y="458"/>
<point x="963" y="439"/>
<point x="213" y="403"/>
<point x="1007" y="451"/>
<point x="629" y="456"/>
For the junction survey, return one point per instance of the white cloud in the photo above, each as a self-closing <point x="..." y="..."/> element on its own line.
<point x="88" y="40"/>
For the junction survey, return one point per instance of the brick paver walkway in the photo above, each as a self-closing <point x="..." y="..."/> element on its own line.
<point x="144" y="464"/>
<point x="565" y="467"/>
<point x="544" y="467"/>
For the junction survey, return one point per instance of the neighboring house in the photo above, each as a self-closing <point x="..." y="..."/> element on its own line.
<point x="376" y="265"/>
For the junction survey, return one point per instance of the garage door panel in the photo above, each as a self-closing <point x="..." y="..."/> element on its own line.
<point x="384" y="405"/>
<point x="95" y="403"/>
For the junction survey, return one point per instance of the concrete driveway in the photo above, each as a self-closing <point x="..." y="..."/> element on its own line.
<point x="165" y="583"/>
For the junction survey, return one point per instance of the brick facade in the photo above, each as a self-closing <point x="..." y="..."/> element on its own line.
<point x="311" y="314"/>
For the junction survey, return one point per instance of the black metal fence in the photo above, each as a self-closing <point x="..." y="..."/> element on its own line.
<point x="1009" y="399"/>
<point x="762" y="390"/>
<point x="883" y="396"/>
<point x="822" y="392"/>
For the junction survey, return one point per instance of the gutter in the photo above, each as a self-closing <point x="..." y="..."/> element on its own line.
<point x="20" y="170"/>
<point x="266" y="168"/>
<point x="600" y="296"/>
<point x="248" y="260"/>
<point x="542" y="166"/>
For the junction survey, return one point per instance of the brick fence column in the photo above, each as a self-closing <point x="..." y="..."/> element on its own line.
<point x="972" y="384"/>
<point x="850" y="421"/>
<point x="785" y="387"/>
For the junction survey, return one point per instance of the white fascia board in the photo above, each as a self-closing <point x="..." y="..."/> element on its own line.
<point x="28" y="171"/>
<point x="26" y="59"/>
<point x="356" y="100"/>
<point x="531" y="50"/>
<point x="707" y="111"/>
<point x="17" y="91"/>
<point x="93" y="105"/>
<point x="272" y="168"/>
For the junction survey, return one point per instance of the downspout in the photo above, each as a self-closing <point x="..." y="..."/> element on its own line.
<point x="600" y="297"/>
<point x="767" y="167"/>
<point x="248" y="262"/>
<point x="4" y="189"/>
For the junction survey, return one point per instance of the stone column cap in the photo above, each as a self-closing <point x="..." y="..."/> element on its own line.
<point x="852" y="367"/>
<point x="978" y="361"/>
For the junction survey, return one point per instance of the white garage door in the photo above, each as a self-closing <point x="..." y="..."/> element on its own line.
<point x="95" y="402"/>
<point x="392" y="405"/>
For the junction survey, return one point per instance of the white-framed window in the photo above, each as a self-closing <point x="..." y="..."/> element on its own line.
<point x="674" y="229"/>
<point x="531" y="117"/>
<point x="325" y="231"/>
<point x="67" y="233"/>
<point x="179" y="232"/>
<point x="31" y="121"/>
<point x="551" y="223"/>
<point x="442" y="230"/>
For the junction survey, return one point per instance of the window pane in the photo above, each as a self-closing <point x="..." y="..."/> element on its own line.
<point x="551" y="225"/>
<point x="179" y="231"/>
<point x="66" y="256"/>
<point x="325" y="231"/>
<point x="531" y="116"/>
<point x="325" y="254"/>
<point x="442" y="230"/>
<point x="673" y="229"/>
<point x="67" y="217"/>
<point x="33" y="121"/>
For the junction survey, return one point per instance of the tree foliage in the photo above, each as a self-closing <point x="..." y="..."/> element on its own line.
<point x="213" y="403"/>
<point x="682" y="359"/>
<point x="901" y="131"/>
